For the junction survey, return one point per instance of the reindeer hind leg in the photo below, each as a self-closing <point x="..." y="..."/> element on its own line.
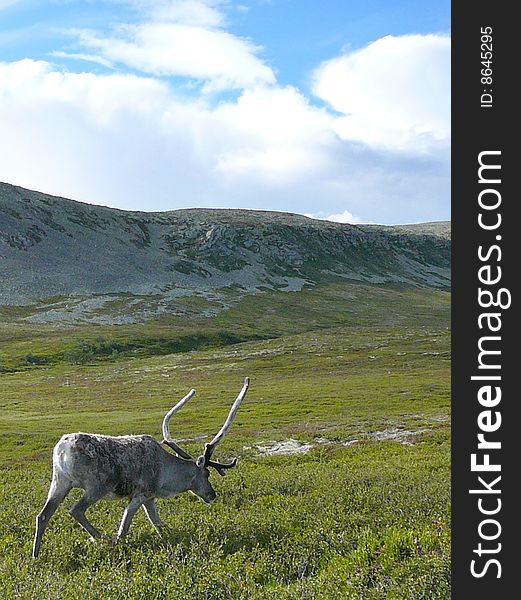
<point x="60" y="487"/>
<point x="78" y="511"/>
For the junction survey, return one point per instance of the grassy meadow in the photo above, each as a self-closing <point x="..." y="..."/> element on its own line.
<point x="361" y="373"/>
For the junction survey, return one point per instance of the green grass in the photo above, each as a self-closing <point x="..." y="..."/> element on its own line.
<point x="369" y="520"/>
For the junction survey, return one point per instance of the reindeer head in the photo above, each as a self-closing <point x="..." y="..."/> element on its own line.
<point x="201" y="485"/>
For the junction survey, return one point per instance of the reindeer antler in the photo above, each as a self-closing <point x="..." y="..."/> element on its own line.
<point x="166" y="427"/>
<point x="209" y="448"/>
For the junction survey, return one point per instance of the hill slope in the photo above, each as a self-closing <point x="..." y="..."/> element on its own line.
<point x="55" y="248"/>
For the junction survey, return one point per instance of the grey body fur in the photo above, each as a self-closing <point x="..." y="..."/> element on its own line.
<point x="126" y="466"/>
<point x="134" y="466"/>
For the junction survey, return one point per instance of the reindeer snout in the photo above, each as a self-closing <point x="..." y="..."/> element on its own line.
<point x="211" y="499"/>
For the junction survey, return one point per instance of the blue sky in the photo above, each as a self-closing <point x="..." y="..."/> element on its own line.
<point x="334" y="109"/>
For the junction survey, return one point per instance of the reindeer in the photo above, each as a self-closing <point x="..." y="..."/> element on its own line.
<point x="132" y="466"/>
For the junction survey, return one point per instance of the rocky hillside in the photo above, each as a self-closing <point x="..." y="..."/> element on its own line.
<point x="61" y="251"/>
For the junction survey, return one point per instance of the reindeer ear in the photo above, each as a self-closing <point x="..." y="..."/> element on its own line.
<point x="200" y="461"/>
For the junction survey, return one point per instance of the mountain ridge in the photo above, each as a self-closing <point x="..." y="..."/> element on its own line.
<point x="56" y="247"/>
<point x="441" y="228"/>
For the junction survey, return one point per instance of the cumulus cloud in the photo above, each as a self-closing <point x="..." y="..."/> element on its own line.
<point x="278" y="135"/>
<point x="394" y="93"/>
<point x="343" y="217"/>
<point x="125" y="125"/>
<point x="186" y="39"/>
<point x="136" y="141"/>
<point x="81" y="56"/>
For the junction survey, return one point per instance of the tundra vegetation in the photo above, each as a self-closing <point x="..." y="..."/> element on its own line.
<point x="358" y="373"/>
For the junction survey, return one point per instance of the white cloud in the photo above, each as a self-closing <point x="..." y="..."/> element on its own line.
<point x="277" y="135"/>
<point x="272" y="135"/>
<point x="132" y="141"/>
<point x="394" y="94"/>
<point x="343" y="217"/>
<point x="81" y="56"/>
<point x="35" y="85"/>
<point x="184" y="38"/>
